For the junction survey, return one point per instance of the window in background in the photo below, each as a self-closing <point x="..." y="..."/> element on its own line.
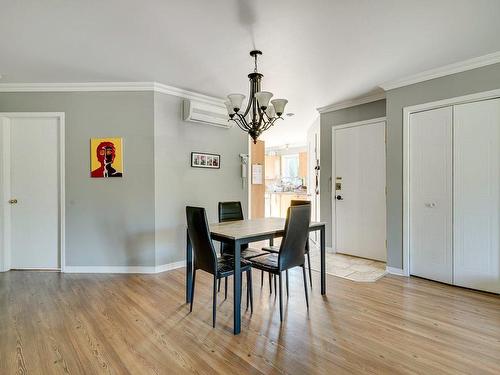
<point x="290" y="165"/>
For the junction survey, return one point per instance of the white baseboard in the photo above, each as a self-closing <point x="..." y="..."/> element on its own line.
<point x="329" y="249"/>
<point x="170" y="266"/>
<point x="125" y="269"/>
<point x="395" y="271"/>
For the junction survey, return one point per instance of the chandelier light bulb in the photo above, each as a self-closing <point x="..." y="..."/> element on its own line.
<point x="230" y="109"/>
<point x="270" y="112"/>
<point x="236" y="101"/>
<point x="263" y="98"/>
<point x="279" y="106"/>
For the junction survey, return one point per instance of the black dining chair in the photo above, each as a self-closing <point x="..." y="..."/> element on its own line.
<point x="276" y="249"/>
<point x="205" y="257"/>
<point x="232" y="211"/>
<point x="291" y="251"/>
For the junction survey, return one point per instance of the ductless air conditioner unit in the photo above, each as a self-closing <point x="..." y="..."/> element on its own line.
<point x="206" y="113"/>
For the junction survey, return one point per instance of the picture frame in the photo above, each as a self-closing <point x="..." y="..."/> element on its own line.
<point x="106" y="157"/>
<point x="205" y="160"/>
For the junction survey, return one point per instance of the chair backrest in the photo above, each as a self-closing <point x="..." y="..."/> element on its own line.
<point x="296" y="202"/>
<point x="230" y="211"/>
<point x="296" y="235"/>
<point x="205" y="257"/>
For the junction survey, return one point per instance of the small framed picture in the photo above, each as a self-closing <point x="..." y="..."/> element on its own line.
<point x="205" y="160"/>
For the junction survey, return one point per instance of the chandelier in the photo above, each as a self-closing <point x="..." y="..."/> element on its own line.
<point x="259" y="115"/>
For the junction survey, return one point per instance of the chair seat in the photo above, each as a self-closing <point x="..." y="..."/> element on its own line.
<point x="225" y="266"/>
<point x="276" y="249"/>
<point x="268" y="262"/>
<point x="251" y="253"/>
<point x="271" y="249"/>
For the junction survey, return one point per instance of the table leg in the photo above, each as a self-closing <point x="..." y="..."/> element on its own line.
<point x="237" y="288"/>
<point x="189" y="267"/>
<point x="323" y="260"/>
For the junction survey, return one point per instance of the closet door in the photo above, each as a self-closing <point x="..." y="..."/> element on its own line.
<point x="430" y="182"/>
<point x="477" y="195"/>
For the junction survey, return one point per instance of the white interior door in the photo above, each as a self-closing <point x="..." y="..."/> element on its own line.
<point x="430" y="181"/>
<point x="34" y="192"/>
<point x="359" y="182"/>
<point x="477" y="195"/>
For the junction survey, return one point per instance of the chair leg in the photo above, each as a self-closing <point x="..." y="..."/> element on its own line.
<point x="218" y="286"/>
<point x="310" y="273"/>
<point x="225" y="288"/>
<point x="214" y="304"/>
<point x="250" y="289"/>
<point x="261" y="279"/>
<point x="274" y="279"/>
<point x="192" y="290"/>
<point x="270" y="285"/>
<point x="287" y="287"/>
<point x="281" y="297"/>
<point x="305" y="285"/>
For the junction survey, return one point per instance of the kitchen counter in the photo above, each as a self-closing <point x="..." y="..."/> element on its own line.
<point x="277" y="202"/>
<point x="287" y="192"/>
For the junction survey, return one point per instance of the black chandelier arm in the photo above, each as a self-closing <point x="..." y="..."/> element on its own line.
<point x="272" y="122"/>
<point x="239" y="125"/>
<point x="242" y="123"/>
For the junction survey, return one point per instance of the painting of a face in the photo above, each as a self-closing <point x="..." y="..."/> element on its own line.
<point x="106" y="157"/>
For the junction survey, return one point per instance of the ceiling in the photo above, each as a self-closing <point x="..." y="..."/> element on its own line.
<point x="315" y="52"/>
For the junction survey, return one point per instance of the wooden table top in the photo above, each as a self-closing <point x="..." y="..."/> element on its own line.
<point x="241" y="229"/>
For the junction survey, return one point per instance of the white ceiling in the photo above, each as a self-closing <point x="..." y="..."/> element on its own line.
<point x="315" y="51"/>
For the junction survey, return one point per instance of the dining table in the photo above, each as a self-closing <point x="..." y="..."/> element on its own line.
<point x="243" y="232"/>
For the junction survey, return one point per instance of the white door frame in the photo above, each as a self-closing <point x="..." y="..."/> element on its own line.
<point x="332" y="181"/>
<point x="407" y="111"/>
<point x="5" y="254"/>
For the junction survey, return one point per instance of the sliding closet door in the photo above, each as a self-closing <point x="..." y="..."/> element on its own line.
<point x="430" y="182"/>
<point x="477" y="195"/>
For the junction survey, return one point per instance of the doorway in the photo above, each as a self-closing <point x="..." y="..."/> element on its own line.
<point x="32" y="183"/>
<point x="359" y="189"/>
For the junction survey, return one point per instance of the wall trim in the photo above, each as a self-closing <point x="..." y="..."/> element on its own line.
<point x="351" y="102"/>
<point x="458" y="67"/>
<point x="407" y="111"/>
<point x="126" y="269"/>
<point x="395" y="271"/>
<point x="170" y="266"/>
<point x="110" y="86"/>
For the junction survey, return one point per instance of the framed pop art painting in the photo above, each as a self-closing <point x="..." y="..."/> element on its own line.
<point x="106" y="157"/>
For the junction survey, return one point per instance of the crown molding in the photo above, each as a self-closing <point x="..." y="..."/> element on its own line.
<point x="462" y="66"/>
<point x="351" y="103"/>
<point x="110" y="86"/>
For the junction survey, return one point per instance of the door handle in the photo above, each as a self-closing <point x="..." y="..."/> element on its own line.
<point x="430" y="205"/>
<point x="339" y="198"/>
<point x="13" y="201"/>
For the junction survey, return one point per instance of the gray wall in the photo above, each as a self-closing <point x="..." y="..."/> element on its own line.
<point x="327" y="120"/>
<point x="109" y="222"/>
<point x="472" y="81"/>
<point x="178" y="185"/>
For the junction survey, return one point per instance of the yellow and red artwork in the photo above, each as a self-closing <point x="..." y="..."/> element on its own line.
<point x="106" y="159"/>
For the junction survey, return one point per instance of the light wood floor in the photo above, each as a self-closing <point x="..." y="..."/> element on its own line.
<point x="54" y="323"/>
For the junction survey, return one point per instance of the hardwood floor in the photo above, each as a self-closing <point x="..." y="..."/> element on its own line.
<point x="54" y="323"/>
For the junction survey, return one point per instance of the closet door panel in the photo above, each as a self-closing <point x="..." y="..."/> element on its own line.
<point x="477" y="195"/>
<point x="431" y="194"/>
